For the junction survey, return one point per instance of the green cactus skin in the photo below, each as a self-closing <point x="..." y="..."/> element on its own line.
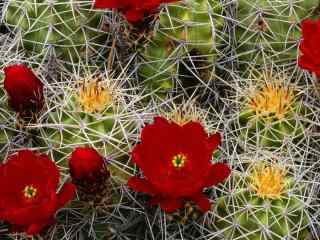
<point x="7" y="124"/>
<point x="243" y="215"/>
<point x="186" y="35"/>
<point x="269" y="130"/>
<point x="69" y="29"/>
<point x="270" y="30"/>
<point x="69" y="126"/>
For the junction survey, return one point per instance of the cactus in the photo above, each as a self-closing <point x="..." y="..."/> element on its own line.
<point x="269" y="123"/>
<point x="264" y="203"/>
<point x="272" y="114"/>
<point x="68" y="30"/>
<point x="184" y="45"/>
<point x="270" y="30"/>
<point x="91" y="114"/>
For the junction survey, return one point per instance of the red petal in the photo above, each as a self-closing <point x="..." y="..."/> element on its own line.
<point x="66" y="194"/>
<point x="218" y="173"/>
<point x="214" y="141"/>
<point x="36" y="228"/>
<point x="32" y="214"/>
<point x="134" y="16"/>
<point x="195" y="129"/>
<point x="309" y="27"/>
<point x="167" y="204"/>
<point x="202" y="201"/>
<point x="141" y="185"/>
<point x="108" y="4"/>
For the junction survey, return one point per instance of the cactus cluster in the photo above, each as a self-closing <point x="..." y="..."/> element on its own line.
<point x="163" y="119"/>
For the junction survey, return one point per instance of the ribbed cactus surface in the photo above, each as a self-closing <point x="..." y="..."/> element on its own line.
<point x="183" y="46"/>
<point x="270" y="29"/>
<point x="89" y="115"/>
<point x="68" y="30"/>
<point x="265" y="203"/>
<point x="272" y="115"/>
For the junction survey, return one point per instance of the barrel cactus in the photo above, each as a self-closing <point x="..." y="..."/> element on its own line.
<point x="263" y="203"/>
<point x="68" y="30"/>
<point x="271" y="115"/>
<point x="92" y="113"/>
<point x="270" y="30"/>
<point x="182" y="49"/>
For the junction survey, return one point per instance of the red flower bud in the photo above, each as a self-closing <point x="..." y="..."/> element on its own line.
<point x="24" y="89"/>
<point x="86" y="164"/>
<point x="28" y="190"/>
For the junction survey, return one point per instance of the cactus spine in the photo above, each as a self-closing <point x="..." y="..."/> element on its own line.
<point x="183" y="45"/>
<point x="68" y="30"/>
<point x="264" y="204"/>
<point x="272" y="114"/>
<point x="270" y="30"/>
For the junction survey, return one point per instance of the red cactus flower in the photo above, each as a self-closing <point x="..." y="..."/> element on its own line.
<point x="25" y="90"/>
<point x="28" y="185"/>
<point x="309" y="46"/>
<point x="176" y="163"/>
<point x="134" y="10"/>
<point x="86" y="164"/>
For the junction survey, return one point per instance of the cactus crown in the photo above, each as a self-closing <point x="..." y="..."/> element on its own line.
<point x="184" y="113"/>
<point x="268" y="181"/>
<point x="272" y="99"/>
<point x="95" y="97"/>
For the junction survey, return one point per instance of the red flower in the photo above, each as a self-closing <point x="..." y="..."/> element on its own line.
<point x="28" y="185"/>
<point x="25" y="90"/>
<point x="176" y="162"/>
<point x="134" y="10"/>
<point x="309" y="46"/>
<point x="86" y="164"/>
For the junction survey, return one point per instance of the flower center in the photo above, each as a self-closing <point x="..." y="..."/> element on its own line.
<point x="179" y="160"/>
<point x="94" y="97"/>
<point x="29" y="192"/>
<point x="273" y="100"/>
<point x="268" y="182"/>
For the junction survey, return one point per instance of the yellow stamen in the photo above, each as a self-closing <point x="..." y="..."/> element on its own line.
<point x="29" y="192"/>
<point x="268" y="181"/>
<point x="179" y="160"/>
<point x="272" y="99"/>
<point x="94" y="97"/>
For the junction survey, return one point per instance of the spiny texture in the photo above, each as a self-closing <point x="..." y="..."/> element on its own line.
<point x="68" y="30"/>
<point x="215" y="65"/>
<point x="272" y="114"/>
<point x="90" y="113"/>
<point x="264" y="202"/>
<point x="270" y="30"/>
<point x="182" y="49"/>
<point x="7" y="123"/>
